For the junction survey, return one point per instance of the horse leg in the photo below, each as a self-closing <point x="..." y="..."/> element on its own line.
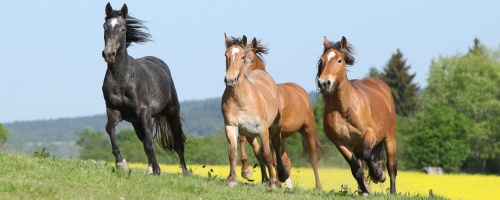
<point x="144" y="129"/>
<point x="356" y="168"/>
<point x="114" y="117"/>
<point x="287" y="162"/>
<point x="268" y="158"/>
<point x="232" y="137"/>
<point x="175" y="124"/>
<point x="283" y="175"/>
<point x="257" y="150"/>
<point x="246" y="171"/>
<point x="140" y="134"/>
<point x="310" y="140"/>
<point x="369" y="142"/>
<point x="390" y="149"/>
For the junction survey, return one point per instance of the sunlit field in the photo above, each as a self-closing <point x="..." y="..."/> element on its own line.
<point x="456" y="186"/>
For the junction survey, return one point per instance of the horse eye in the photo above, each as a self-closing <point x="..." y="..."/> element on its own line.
<point x="340" y="61"/>
<point x="243" y="57"/>
<point x="123" y="29"/>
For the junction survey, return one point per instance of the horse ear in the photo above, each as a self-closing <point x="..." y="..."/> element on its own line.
<point x="343" y="43"/>
<point x="109" y="9"/>
<point x="325" y="41"/>
<point x="124" y="11"/>
<point x="244" y="41"/>
<point x="228" y="40"/>
<point x="254" y="43"/>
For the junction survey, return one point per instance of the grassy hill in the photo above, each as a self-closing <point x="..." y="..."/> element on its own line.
<point x="35" y="177"/>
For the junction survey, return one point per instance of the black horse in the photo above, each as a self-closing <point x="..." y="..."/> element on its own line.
<point x="137" y="90"/>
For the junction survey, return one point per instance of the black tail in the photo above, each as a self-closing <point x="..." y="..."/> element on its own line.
<point x="306" y="148"/>
<point x="164" y="134"/>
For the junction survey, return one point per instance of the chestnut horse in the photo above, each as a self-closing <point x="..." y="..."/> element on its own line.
<point x="359" y="116"/>
<point x="297" y="114"/>
<point x="251" y="107"/>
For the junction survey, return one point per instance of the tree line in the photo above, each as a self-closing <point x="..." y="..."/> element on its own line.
<point x="452" y="123"/>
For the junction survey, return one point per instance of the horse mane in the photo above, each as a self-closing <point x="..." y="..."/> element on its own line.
<point x="260" y="49"/>
<point x="135" y="29"/>
<point x="348" y="53"/>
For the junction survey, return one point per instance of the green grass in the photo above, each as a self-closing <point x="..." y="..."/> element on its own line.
<point x="35" y="177"/>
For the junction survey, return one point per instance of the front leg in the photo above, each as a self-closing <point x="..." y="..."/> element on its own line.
<point x="144" y="131"/>
<point x="114" y="117"/>
<point x="369" y="148"/>
<point x="232" y="140"/>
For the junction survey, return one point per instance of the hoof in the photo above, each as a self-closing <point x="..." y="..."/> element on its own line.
<point x="123" y="165"/>
<point x="288" y="183"/>
<point x="150" y="170"/>
<point x="364" y="194"/>
<point x="246" y="174"/>
<point x="283" y="175"/>
<point x="232" y="184"/>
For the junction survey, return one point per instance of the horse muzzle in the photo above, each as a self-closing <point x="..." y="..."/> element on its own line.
<point x="326" y="86"/>
<point x="109" y="56"/>
<point x="230" y="82"/>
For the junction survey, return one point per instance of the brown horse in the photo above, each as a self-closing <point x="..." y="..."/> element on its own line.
<point x="359" y="116"/>
<point x="297" y="115"/>
<point x="251" y="107"/>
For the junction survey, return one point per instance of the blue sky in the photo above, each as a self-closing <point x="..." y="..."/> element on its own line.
<point x="51" y="64"/>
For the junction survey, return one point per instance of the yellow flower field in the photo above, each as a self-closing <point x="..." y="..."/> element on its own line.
<point x="455" y="186"/>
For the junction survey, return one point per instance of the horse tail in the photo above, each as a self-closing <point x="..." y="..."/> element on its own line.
<point x="163" y="133"/>
<point x="306" y="148"/>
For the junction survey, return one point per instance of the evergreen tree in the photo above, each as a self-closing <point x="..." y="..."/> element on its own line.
<point x="3" y="136"/>
<point x="400" y="81"/>
<point x="478" y="49"/>
<point x="373" y="72"/>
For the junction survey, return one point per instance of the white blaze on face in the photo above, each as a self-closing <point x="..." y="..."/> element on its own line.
<point x="114" y="21"/>
<point x="330" y="55"/>
<point x="233" y="52"/>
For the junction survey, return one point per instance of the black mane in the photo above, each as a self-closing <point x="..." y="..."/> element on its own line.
<point x="135" y="32"/>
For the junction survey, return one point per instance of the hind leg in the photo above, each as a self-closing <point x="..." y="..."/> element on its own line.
<point x="174" y="121"/>
<point x="310" y="143"/>
<point x="390" y="149"/>
<point x="246" y="171"/>
<point x="258" y="151"/>
<point x="114" y="117"/>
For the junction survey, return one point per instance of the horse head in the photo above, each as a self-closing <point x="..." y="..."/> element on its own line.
<point x="332" y="65"/>
<point x="235" y="60"/>
<point x="114" y="32"/>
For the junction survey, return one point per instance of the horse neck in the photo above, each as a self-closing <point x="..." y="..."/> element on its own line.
<point x="343" y="95"/>
<point x="258" y="64"/>
<point x="242" y="88"/>
<point x="120" y="67"/>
